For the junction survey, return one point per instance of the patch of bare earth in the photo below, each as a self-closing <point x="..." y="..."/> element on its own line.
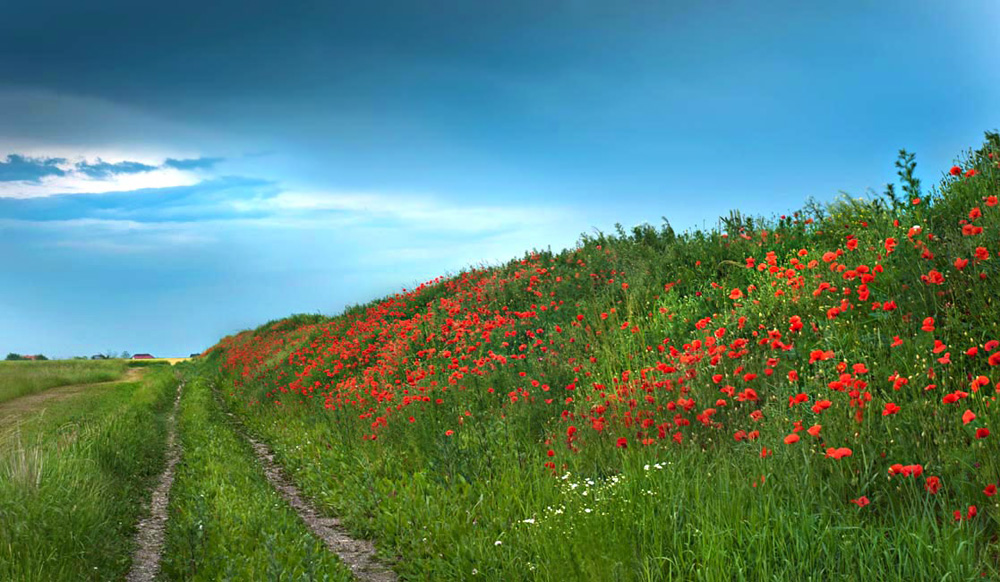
<point x="18" y="409"/>
<point x="149" y="537"/>
<point x="358" y="554"/>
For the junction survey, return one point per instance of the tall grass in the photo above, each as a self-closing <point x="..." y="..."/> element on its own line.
<point x="69" y="500"/>
<point x="19" y="378"/>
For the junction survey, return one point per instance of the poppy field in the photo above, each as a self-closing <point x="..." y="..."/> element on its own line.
<point x="807" y="397"/>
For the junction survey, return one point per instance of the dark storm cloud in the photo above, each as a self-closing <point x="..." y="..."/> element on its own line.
<point x="21" y="168"/>
<point x="17" y="168"/>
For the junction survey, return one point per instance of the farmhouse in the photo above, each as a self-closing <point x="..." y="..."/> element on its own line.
<point x="142" y="357"/>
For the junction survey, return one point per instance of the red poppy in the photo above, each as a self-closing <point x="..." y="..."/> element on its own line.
<point x="932" y="485"/>
<point x="968" y="416"/>
<point x="955" y="171"/>
<point x="982" y="433"/>
<point x="821" y="405"/>
<point x="890" y="408"/>
<point x="990" y="490"/>
<point x="861" y="501"/>
<point x="622" y="443"/>
<point x="791" y="439"/>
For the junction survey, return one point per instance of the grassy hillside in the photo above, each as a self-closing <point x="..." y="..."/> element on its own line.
<point x="804" y="397"/>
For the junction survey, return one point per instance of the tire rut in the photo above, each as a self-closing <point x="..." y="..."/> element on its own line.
<point x="151" y="529"/>
<point x="357" y="554"/>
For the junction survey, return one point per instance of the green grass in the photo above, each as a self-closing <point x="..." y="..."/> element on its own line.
<point x="226" y="522"/>
<point x="19" y="378"/>
<point x="72" y="487"/>
<point x="436" y="421"/>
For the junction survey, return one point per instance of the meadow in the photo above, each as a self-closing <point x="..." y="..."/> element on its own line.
<point x="73" y="480"/>
<point x="20" y="378"/>
<point x="804" y="397"/>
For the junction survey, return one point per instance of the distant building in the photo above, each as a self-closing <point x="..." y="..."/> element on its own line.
<point x="142" y="357"/>
<point x="30" y="357"/>
<point x="98" y="357"/>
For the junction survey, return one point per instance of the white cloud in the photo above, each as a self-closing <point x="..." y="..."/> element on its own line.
<point x="76" y="182"/>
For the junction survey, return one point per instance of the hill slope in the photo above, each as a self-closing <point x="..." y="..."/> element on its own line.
<point x="810" y="396"/>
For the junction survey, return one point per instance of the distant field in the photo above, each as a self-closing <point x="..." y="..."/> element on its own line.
<point x="23" y="378"/>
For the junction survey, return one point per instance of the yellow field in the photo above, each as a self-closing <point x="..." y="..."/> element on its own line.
<point x="170" y="361"/>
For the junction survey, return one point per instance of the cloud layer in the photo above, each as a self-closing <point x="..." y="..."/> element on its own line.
<point x="24" y="176"/>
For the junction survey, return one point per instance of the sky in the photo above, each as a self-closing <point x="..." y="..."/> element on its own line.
<point x="174" y="172"/>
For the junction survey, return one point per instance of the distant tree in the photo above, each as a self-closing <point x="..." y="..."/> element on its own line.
<point x="12" y="356"/>
<point x="126" y="355"/>
<point x="41" y="357"/>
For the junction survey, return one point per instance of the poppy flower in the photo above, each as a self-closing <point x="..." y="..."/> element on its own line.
<point x="982" y="433"/>
<point x="932" y="485"/>
<point x="839" y="453"/>
<point x="955" y="171"/>
<point x="861" y="501"/>
<point x="791" y="439"/>
<point x="990" y="490"/>
<point x="814" y="430"/>
<point x="968" y="416"/>
<point x="821" y="405"/>
<point x="622" y="443"/>
<point x="890" y="408"/>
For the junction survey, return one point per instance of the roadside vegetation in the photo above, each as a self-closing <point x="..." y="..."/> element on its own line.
<point x="19" y="378"/>
<point x="73" y="480"/>
<point x="803" y="397"/>
<point x="226" y="522"/>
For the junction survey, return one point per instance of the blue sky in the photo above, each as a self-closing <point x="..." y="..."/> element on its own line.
<point x="172" y="173"/>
